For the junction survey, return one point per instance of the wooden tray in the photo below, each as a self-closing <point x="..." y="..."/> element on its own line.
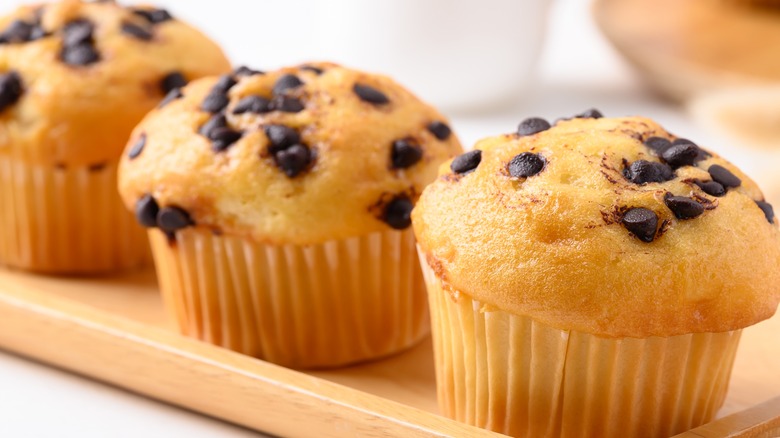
<point x="115" y="330"/>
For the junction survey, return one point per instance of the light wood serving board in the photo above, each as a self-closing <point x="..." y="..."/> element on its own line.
<point x="114" y="329"/>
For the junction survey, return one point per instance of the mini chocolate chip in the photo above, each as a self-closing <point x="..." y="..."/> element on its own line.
<point x="136" y="31"/>
<point x="723" y="176"/>
<point x="252" y="104"/>
<point x="467" y="162"/>
<point x="405" y="153"/>
<point x="526" y="164"/>
<point x="643" y="171"/>
<point x="285" y="83"/>
<point x="19" y="31"/>
<point x="97" y="167"/>
<point x="171" y="81"/>
<point x="214" y="122"/>
<point x="214" y="102"/>
<point x="281" y="137"/>
<point x="171" y="219"/>
<point x="77" y="31"/>
<point x="287" y="104"/>
<point x="223" y="84"/>
<point x="591" y="113"/>
<point x="682" y="207"/>
<point x="223" y="137"/>
<point x="316" y="70"/>
<point x="154" y="16"/>
<point x="439" y="130"/>
<point x="370" y="94"/>
<point x="398" y="213"/>
<point x="79" y="55"/>
<point x="170" y="97"/>
<point x="711" y="188"/>
<point x="658" y="144"/>
<point x="680" y="155"/>
<point x="293" y="160"/>
<point x="11" y="89"/>
<point x="769" y="212"/>
<point x="641" y="222"/>
<point x="138" y="147"/>
<point x="532" y="125"/>
<point x="246" y="71"/>
<point x="146" y="210"/>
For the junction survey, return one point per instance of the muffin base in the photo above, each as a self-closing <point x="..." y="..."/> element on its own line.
<point x="513" y="375"/>
<point x="66" y="220"/>
<point x="317" y="306"/>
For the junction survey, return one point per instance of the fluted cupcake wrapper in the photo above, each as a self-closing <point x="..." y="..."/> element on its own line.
<point x="66" y="220"/>
<point x="513" y="375"/>
<point x="317" y="306"/>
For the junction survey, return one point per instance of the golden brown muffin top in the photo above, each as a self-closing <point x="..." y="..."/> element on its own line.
<point x="300" y="155"/>
<point x="76" y="77"/>
<point x="610" y="226"/>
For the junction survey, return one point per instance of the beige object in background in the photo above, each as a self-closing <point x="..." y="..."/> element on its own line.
<point x="596" y="275"/>
<point x="75" y="77"/>
<point x="285" y="199"/>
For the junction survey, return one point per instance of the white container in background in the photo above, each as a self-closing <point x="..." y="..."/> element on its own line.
<point x="462" y="55"/>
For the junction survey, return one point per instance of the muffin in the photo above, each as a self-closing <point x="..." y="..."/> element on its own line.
<point x="592" y="278"/>
<point x="278" y="211"/>
<point x="75" y="78"/>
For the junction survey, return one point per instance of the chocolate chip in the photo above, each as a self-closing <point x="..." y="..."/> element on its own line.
<point x="136" y="31"/>
<point x="81" y="55"/>
<point x="658" y="144"/>
<point x="223" y="84"/>
<point x="171" y="81"/>
<point x="172" y="219"/>
<point x="591" y="113"/>
<point x="138" y="147"/>
<point x="243" y="71"/>
<point x="405" y="153"/>
<point x="711" y="188"/>
<point x="641" y="222"/>
<point x="642" y="172"/>
<point x="146" y="210"/>
<point x="281" y="137"/>
<point x="214" y="122"/>
<point x="316" y="70"/>
<point x="723" y="176"/>
<point x="153" y="16"/>
<point x="223" y="137"/>
<point x="526" y="164"/>
<point x="77" y="32"/>
<point x="532" y="125"/>
<point x="769" y="212"/>
<point x="252" y="104"/>
<point x="439" y="130"/>
<point x="214" y="102"/>
<point x="682" y="207"/>
<point x="680" y="155"/>
<point x="11" y="89"/>
<point x="293" y="160"/>
<point x="398" y="213"/>
<point x="702" y="154"/>
<point x="287" y="104"/>
<point x="170" y="97"/>
<point x="467" y="162"/>
<point x="285" y="83"/>
<point x="370" y="94"/>
<point x="20" y="31"/>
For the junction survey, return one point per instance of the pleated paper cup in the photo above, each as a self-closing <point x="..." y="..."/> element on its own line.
<point x="513" y="375"/>
<point x="318" y="306"/>
<point x="66" y="220"/>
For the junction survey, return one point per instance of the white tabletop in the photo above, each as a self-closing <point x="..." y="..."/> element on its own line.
<point x="578" y="70"/>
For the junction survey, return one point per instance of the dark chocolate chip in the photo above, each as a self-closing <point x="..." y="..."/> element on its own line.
<point x="641" y="222"/>
<point x="37" y="33"/>
<point x="285" y="83"/>
<point x="682" y="207"/>
<point x="532" y="125"/>
<point x="97" y="167"/>
<point x="370" y="94"/>
<point x="526" y="164"/>
<point x="77" y="32"/>
<point x="246" y="71"/>
<point x="252" y="104"/>
<point x="171" y="81"/>
<point x="293" y="160"/>
<point x="467" y="162"/>
<point x="702" y="154"/>
<point x="723" y="176"/>
<point x="224" y="84"/>
<point x="214" y="122"/>
<point x="136" y="31"/>
<point x="172" y="219"/>
<point x="643" y="171"/>
<point x="591" y="113"/>
<point x="769" y="212"/>
<point x="138" y="147"/>
<point x="154" y="16"/>
<point x="223" y="137"/>
<point x="11" y="89"/>
<point x="680" y="155"/>
<point x="439" y="130"/>
<point x="711" y="188"/>
<point x="281" y="137"/>
<point x="658" y="144"/>
<point x="79" y="55"/>
<point x="19" y="31"/>
<point x="405" y="153"/>
<point x="398" y="213"/>
<point x="287" y="104"/>
<point x="214" y="102"/>
<point x="170" y="97"/>
<point x="146" y="210"/>
<point x="316" y="70"/>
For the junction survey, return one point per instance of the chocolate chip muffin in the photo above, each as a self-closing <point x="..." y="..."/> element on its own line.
<point x="75" y="78"/>
<point x="592" y="278"/>
<point x="278" y="210"/>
